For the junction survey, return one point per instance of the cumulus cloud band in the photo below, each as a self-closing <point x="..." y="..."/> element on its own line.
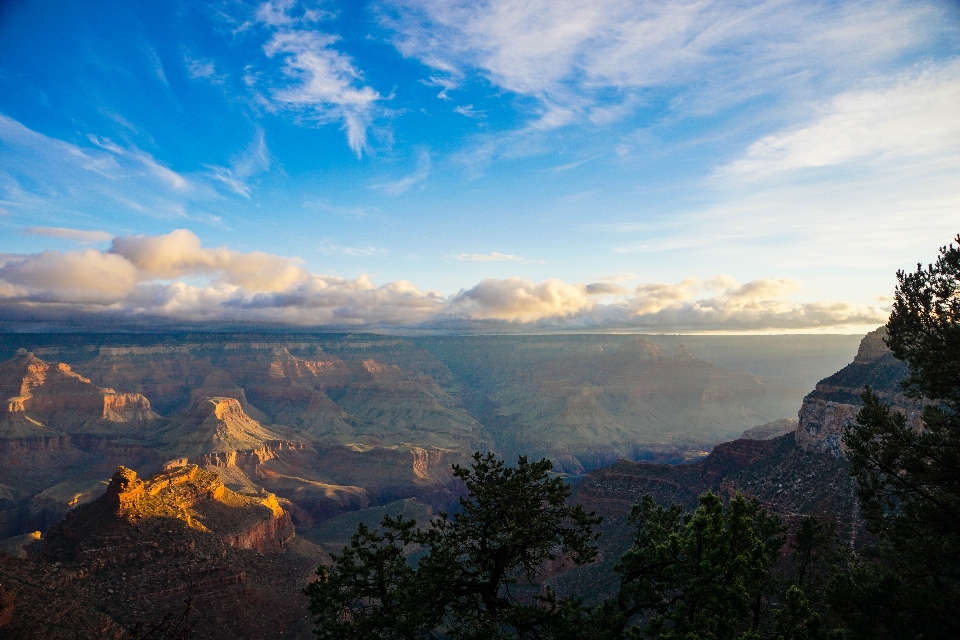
<point x="156" y="277"/>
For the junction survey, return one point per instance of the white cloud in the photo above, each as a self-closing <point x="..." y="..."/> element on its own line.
<point x="569" y="54"/>
<point x="144" y="276"/>
<point x="173" y="278"/>
<point x="468" y="111"/>
<point x="254" y="160"/>
<point x="487" y="257"/>
<point x="72" y="276"/>
<point x="914" y="115"/>
<point x="325" y="83"/>
<point x="446" y="85"/>
<point x="756" y="305"/>
<point x="354" y="252"/>
<point x="179" y="253"/>
<point x="516" y="299"/>
<point x="77" y="235"/>
<point x="421" y="173"/>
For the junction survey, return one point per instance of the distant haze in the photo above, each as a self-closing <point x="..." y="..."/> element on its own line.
<point x="581" y="400"/>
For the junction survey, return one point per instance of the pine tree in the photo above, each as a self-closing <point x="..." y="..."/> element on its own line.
<point x="474" y="580"/>
<point x="908" y="480"/>
<point x="699" y="576"/>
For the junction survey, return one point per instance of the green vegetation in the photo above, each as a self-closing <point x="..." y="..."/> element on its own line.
<point x="909" y="478"/>
<point x="702" y="575"/>
<point x="714" y="574"/>
<point x="474" y="581"/>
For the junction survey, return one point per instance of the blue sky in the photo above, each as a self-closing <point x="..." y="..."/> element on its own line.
<point x="677" y="166"/>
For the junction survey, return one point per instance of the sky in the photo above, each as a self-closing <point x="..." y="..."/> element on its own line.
<point x="678" y="166"/>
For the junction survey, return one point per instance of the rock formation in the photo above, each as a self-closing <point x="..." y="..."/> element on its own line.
<point x="788" y="480"/>
<point x="324" y="482"/>
<point x="326" y="399"/>
<point x="42" y="398"/>
<point x="835" y="401"/>
<point x="214" y="425"/>
<point x="188" y="494"/>
<point x="133" y="555"/>
<point x="335" y="423"/>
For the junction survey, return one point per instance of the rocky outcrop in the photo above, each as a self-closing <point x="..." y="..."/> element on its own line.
<point x="323" y="482"/>
<point x="822" y="423"/>
<point x="266" y="536"/>
<point x="193" y="496"/>
<point x="125" y="489"/>
<point x="42" y="398"/>
<point x="146" y="545"/>
<point x="214" y="425"/>
<point x="835" y="401"/>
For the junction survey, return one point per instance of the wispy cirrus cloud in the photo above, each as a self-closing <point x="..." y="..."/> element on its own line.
<point x="468" y="111"/>
<point x="419" y="175"/>
<point x="76" y="235"/>
<point x="907" y="116"/>
<point x="44" y="179"/>
<point x="567" y="54"/>
<point x="490" y="257"/>
<point x="330" y="248"/>
<point x="316" y="80"/>
<point x="148" y="162"/>
<point x="199" y="68"/>
<point x="252" y="161"/>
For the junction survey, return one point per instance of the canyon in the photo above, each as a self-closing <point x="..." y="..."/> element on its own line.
<point x="336" y="422"/>
<point x="140" y="470"/>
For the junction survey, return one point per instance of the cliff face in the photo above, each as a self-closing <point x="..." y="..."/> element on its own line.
<point x="835" y="401"/>
<point x="801" y="472"/>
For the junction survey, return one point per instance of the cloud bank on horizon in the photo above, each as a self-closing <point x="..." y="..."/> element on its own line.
<point x="173" y="279"/>
<point x="464" y="164"/>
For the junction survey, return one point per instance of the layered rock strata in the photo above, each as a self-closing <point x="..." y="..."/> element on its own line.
<point x="835" y="401"/>
<point x="42" y="398"/>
